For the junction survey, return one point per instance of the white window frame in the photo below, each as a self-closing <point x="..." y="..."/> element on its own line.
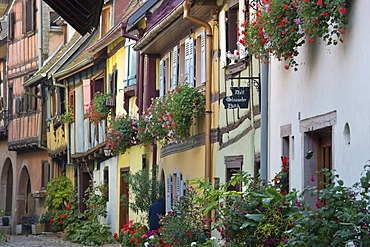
<point x="130" y="70"/>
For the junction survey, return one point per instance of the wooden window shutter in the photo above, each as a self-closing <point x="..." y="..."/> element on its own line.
<point x="11" y="21"/>
<point x="87" y="84"/>
<point x="203" y="57"/>
<point x="175" y="65"/>
<point x="161" y="78"/>
<point x="71" y="102"/>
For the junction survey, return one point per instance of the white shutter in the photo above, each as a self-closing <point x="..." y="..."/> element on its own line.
<point x="169" y="192"/>
<point x="178" y="185"/>
<point x="203" y="57"/>
<point x="191" y="63"/>
<point x="187" y="60"/>
<point x="161" y="78"/>
<point x="175" y="65"/>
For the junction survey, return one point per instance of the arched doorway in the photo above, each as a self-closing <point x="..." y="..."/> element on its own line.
<point x="6" y="189"/>
<point x="24" y="195"/>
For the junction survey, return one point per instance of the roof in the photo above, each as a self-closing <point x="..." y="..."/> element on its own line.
<point x="141" y="12"/>
<point x="115" y="31"/>
<point x="56" y="60"/>
<point x="83" y="57"/>
<point x="82" y="15"/>
<point x="166" y="25"/>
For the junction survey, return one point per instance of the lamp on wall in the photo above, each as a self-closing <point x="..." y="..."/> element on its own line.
<point x="310" y="152"/>
<point x="107" y="152"/>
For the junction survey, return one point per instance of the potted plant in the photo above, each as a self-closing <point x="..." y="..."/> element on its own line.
<point x="99" y="108"/>
<point x="4" y="219"/>
<point x="45" y="220"/>
<point x="67" y="117"/>
<point x="168" y="118"/>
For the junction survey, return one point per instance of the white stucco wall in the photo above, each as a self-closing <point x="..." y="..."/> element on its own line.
<point x="112" y="204"/>
<point x="329" y="78"/>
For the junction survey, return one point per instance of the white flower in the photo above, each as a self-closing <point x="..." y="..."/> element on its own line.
<point x="151" y="237"/>
<point x="193" y="243"/>
<point x="146" y="244"/>
<point x="213" y="238"/>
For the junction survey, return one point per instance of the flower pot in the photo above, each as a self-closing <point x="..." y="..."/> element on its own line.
<point x="5" y="221"/>
<point x="38" y="228"/>
<point x="18" y="230"/>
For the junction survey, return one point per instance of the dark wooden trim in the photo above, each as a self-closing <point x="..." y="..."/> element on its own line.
<point x="116" y="48"/>
<point x="192" y="142"/>
<point x="231" y="141"/>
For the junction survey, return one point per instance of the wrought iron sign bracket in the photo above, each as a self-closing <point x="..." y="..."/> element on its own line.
<point x="255" y="79"/>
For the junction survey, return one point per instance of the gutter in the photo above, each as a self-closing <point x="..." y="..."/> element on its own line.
<point x="41" y="76"/>
<point x="40" y="34"/>
<point x="74" y="69"/>
<point x="208" y="87"/>
<point x="151" y="34"/>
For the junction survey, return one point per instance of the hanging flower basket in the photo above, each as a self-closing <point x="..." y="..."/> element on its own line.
<point x="280" y="27"/>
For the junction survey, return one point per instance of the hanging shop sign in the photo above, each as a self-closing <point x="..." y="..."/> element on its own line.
<point x="238" y="99"/>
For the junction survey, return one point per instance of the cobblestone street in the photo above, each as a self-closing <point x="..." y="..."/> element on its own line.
<point x="40" y="240"/>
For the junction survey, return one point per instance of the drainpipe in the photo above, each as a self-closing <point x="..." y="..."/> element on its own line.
<point x="264" y="119"/>
<point x="40" y="39"/>
<point x="208" y="92"/>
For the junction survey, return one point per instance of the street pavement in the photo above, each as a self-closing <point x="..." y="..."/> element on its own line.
<point x="40" y="240"/>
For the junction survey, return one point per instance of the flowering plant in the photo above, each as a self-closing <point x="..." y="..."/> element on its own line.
<point x="340" y="216"/>
<point x="122" y="133"/>
<point x="281" y="179"/>
<point x="168" y="119"/>
<point x="279" y="27"/>
<point x="132" y="234"/>
<point x="99" y="109"/>
<point x="185" y="223"/>
<point x="67" y="117"/>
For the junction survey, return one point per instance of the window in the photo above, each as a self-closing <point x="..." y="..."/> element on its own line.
<point x="174" y="188"/>
<point x="165" y="76"/>
<point x="72" y="104"/>
<point x="232" y="21"/>
<point x="130" y="76"/>
<point x="11" y="98"/>
<point x="200" y="76"/>
<point x="285" y="133"/>
<point x="53" y="19"/>
<point x="29" y="16"/>
<point x="11" y="22"/>
<point x="233" y="165"/>
<point x="105" y="20"/>
<point x="106" y="182"/>
<point x="113" y="81"/>
<point x="90" y="88"/>
<point x="45" y="177"/>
